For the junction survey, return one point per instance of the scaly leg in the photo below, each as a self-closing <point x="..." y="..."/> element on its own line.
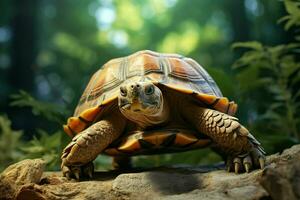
<point x="77" y="157"/>
<point x="242" y="149"/>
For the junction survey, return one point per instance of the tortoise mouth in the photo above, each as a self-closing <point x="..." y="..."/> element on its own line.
<point x="126" y="106"/>
<point x="137" y="107"/>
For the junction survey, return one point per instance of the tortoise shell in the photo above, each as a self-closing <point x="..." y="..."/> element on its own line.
<point x="170" y="70"/>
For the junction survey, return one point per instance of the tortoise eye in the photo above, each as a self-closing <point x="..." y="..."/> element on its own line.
<point x="149" y="90"/>
<point x="123" y="91"/>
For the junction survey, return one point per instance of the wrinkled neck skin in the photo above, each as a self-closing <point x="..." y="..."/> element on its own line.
<point x="145" y="121"/>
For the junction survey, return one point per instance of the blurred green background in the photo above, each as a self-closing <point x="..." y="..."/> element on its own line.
<point x="50" y="48"/>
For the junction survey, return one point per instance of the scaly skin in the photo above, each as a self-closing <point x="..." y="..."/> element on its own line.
<point x="77" y="157"/>
<point x="242" y="149"/>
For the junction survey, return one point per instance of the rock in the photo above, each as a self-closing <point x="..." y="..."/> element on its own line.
<point x="7" y="189"/>
<point x="279" y="180"/>
<point x="19" y="174"/>
<point x="212" y="185"/>
<point x="282" y="181"/>
<point x="26" y="171"/>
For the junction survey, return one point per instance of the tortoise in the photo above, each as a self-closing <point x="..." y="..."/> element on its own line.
<point x="153" y="103"/>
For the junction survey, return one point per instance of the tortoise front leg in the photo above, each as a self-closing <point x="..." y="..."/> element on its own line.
<point x="77" y="157"/>
<point x="242" y="149"/>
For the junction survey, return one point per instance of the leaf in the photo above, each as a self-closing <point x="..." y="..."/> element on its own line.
<point x="276" y="105"/>
<point x="250" y="57"/>
<point x="292" y="45"/>
<point x="52" y="112"/>
<point x="250" y="45"/>
<point x="248" y="78"/>
<point x="33" y="148"/>
<point x="46" y="146"/>
<point x="297" y="95"/>
<point x="292" y="7"/>
<point x="270" y="114"/>
<point x="296" y="79"/>
<point x="10" y="140"/>
<point x="283" y="19"/>
<point x="289" y="66"/>
<point x="274" y="89"/>
<point x="276" y="52"/>
<point x="293" y="19"/>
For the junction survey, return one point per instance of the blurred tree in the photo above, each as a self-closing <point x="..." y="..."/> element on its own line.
<point x="238" y="19"/>
<point x="24" y="45"/>
<point x="23" y="53"/>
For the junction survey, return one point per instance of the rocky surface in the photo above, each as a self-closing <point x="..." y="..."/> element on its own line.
<point x="282" y="178"/>
<point x="18" y="175"/>
<point x="279" y="180"/>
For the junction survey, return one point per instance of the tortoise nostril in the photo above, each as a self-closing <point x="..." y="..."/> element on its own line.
<point x="135" y="86"/>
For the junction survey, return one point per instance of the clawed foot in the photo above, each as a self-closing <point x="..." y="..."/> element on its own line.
<point x="78" y="172"/>
<point x="246" y="162"/>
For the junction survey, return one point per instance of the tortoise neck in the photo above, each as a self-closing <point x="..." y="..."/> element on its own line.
<point x="158" y="118"/>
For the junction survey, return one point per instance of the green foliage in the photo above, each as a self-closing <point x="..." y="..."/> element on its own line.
<point x="10" y="140"/>
<point x="45" y="146"/>
<point x="279" y="72"/>
<point x="293" y="17"/>
<point x="274" y="71"/>
<point x="51" y="112"/>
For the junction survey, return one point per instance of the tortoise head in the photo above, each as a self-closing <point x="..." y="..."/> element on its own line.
<point x="142" y="102"/>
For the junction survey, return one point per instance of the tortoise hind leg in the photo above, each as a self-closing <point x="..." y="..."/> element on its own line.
<point x="121" y="162"/>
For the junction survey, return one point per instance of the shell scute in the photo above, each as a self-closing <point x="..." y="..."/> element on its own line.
<point x="76" y="124"/>
<point x="184" y="139"/>
<point x="90" y="114"/>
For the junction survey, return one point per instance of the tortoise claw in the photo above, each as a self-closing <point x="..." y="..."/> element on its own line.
<point x="76" y="174"/>
<point x="237" y="163"/>
<point x="66" y="172"/>
<point x="228" y="168"/>
<point x="261" y="162"/>
<point x="70" y="171"/>
<point x="247" y="163"/>
<point x="90" y="174"/>
<point x="88" y="170"/>
<point x="68" y="175"/>
<point x="229" y="164"/>
<point x="76" y="171"/>
<point x="247" y="167"/>
<point x="236" y="167"/>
